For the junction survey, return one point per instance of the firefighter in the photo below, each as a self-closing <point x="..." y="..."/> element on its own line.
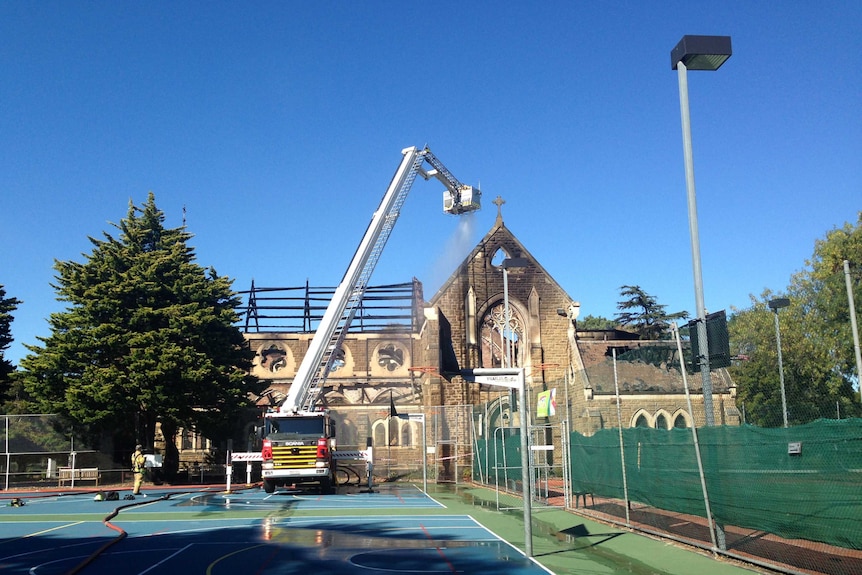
<point x="138" y="463"/>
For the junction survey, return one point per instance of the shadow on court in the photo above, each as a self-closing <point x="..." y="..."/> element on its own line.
<point x="248" y="533"/>
<point x="341" y="549"/>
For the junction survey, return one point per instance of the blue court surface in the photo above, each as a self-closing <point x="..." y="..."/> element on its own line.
<point x="392" y="530"/>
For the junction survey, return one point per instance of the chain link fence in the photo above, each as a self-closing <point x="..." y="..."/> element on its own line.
<point x="789" y="499"/>
<point x="39" y="450"/>
<point x="418" y="443"/>
<point x="639" y="455"/>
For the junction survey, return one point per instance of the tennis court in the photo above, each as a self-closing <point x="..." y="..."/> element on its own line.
<point x="394" y="529"/>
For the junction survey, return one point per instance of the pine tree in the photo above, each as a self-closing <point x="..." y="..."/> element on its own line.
<point x="595" y="322"/>
<point x="148" y="336"/>
<point x="7" y="306"/>
<point x="643" y="314"/>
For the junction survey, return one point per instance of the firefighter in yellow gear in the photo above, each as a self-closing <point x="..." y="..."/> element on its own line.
<point x="138" y="464"/>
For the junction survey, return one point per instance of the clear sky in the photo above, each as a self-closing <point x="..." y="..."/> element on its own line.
<point x="278" y="126"/>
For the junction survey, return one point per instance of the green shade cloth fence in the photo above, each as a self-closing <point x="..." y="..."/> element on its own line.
<point x="802" y="482"/>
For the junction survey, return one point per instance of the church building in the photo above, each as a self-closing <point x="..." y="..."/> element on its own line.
<point x="499" y="308"/>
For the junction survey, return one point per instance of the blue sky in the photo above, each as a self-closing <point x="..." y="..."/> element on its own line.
<point x="278" y="125"/>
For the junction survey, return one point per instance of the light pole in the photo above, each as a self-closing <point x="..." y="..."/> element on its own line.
<point x="697" y="53"/>
<point x="507" y="264"/>
<point x="853" y="325"/>
<point x="775" y="305"/>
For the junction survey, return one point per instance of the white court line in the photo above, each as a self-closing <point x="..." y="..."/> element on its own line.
<point x="434" y="500"/>
<point x="171" y="556"/>
<point x="46" y="531"/>
<point x="41" y="551"/>
<point x="436" y="523"/>
<point x="532" y="559"/>
<point x="237" y="523"/>
<point x="360" y="519"/>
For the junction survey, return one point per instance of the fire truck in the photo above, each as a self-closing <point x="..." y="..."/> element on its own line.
<point x="299" y="445"/>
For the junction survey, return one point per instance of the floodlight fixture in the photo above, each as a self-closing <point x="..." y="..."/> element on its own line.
<point x="701" y="52"/>
<point x="510" y="263"/>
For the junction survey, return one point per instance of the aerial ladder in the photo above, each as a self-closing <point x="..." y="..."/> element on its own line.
<point x="318" y="360"/>
<point x="298" y="443"/>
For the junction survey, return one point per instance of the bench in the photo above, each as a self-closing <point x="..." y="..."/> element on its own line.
<point x="67" y="474"/>
<point x="583" y="494"/>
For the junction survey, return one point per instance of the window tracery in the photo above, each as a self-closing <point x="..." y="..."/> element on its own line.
<point x="499" y="340"/>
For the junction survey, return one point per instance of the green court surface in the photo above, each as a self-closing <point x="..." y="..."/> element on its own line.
<point x="569" y="544"/>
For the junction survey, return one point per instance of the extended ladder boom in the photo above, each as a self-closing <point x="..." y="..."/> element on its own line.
<point x="318" y="360"/>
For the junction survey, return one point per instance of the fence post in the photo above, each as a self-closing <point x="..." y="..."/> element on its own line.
<point x="8" y="460"/>
<point x="696" y="444"/>
<point x="622" y="443"/>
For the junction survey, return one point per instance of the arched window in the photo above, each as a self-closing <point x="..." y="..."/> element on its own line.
<point x="406" y="435"/>
<point x="680" y="421"/>
<point x="499" y="341"/>
<point x="380" y="435"/>
<point x="642" y="421"/>
<point x="661" y="422"/>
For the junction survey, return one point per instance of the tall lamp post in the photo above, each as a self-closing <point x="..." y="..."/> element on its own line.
<point x="853" y="325"/>
<point x="697" y="53"/>
<point x="775" y="305"/>
<point x="507" y="264"/>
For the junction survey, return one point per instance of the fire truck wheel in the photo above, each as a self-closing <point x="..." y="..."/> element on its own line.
<point x="269" y="486"/>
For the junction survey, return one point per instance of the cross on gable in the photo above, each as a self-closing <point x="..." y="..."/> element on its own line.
<point x="499" y="203"/>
